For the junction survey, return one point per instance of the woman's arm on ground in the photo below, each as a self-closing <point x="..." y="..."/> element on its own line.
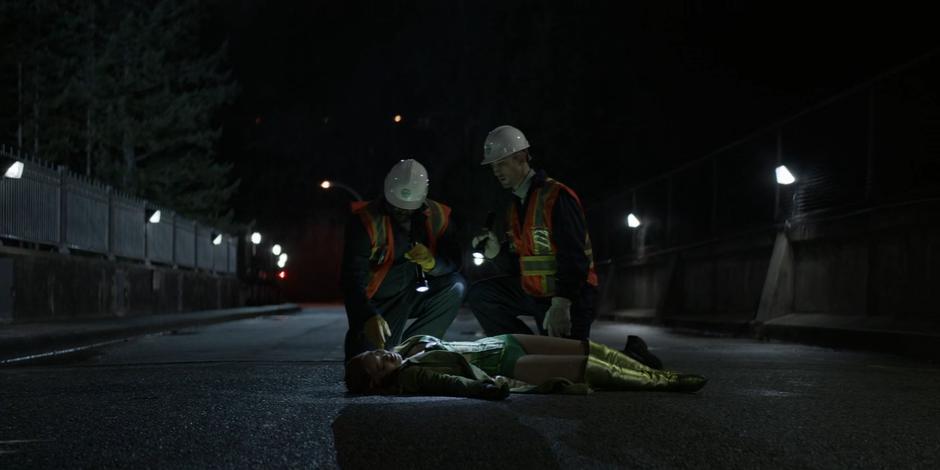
<point x="425" y="381"/>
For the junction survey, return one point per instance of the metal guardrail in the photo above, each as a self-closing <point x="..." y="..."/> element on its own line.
<point x="36" y="194"/>
<point x="876" y="143"/>
<point x="160" y="239"/>
<point x="51" y="206"/>
<point x="87" y="215"/>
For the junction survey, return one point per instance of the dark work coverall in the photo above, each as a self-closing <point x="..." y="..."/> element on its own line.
<point x="396" y="298"/>
<point x="498" y="301"/>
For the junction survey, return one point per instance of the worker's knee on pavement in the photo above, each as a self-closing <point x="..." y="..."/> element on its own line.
<point x="458" y="291"/>
<point x="459" y="288"/>
<point x="455" y="289"/>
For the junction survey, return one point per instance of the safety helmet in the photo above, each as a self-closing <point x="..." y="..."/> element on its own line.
<point x="501" y="143"/>
<point x="406" y="185"/>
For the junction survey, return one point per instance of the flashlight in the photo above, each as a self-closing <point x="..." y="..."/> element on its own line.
<point x="478" y="248"/>
<point x="422" y="283"/>
<point x="422" y="279"/>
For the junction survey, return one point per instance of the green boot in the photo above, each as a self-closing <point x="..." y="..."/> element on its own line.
<point x="611" y="369"/>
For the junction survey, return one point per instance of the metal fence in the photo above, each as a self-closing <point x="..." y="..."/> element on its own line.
<point x="873" y="145"/>
<point x="52" y="206"/>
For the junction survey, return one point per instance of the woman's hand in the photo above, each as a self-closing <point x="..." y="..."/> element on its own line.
<point x="493" y="391"/>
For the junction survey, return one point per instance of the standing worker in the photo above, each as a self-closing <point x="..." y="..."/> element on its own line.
<point x="400" y="261"/>
<point x="547" y="253"/>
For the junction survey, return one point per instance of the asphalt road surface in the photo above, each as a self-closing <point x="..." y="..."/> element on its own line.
<point x="268" y="393"/>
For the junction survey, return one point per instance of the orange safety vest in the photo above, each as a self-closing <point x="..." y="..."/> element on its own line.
<point x="382" y="238"/>
<point x="534" y="244"/>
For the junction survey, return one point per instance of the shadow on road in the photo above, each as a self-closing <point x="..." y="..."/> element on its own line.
<point x="449" y="433"/>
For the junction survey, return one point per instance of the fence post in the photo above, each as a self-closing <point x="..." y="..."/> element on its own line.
<point x="63" y="210"/>
<point x="196" y="246"/>
<point x="109" y="234"/>
<point x="173" y="260"/>
<point x="147" y="237"/>
<point x="212" y="251"/>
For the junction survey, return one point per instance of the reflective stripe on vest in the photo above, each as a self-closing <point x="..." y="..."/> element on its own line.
<point x="382" y="239"/>
<point x="437" y="216"/>
<point x="534" y="244"/>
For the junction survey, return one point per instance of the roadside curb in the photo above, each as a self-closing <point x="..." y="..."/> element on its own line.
<point x="922" y="344"/>
<point x="31" y="339"/>
<point x="904" y="343"/>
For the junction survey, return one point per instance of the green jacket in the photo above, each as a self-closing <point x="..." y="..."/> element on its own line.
<point x="448" y="372"/>
<point x="444" y="373"/>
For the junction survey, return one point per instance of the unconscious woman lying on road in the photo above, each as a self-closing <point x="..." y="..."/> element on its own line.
<point x="490" y="368"/>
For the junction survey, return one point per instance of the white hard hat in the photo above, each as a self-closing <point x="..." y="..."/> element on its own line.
<point x="503" y="142"/>
<point x="406" y="185"/>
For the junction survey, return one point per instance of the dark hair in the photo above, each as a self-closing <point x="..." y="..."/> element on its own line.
<point x="357" y="379"/>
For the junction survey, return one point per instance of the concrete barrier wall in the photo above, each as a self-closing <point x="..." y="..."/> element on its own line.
<point x="874" y="269"/>
<point x="719" y="281"/>
<point x="879" y="265"/>
<point x="637" y="285"/>
<point x="719" y="284"/>
<point x="50" y="286"/>
<point x="830" y="276"/>
<point x="906" y="269"/>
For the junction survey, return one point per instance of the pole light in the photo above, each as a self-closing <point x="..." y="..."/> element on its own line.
<point x="256" y="238"/>
<point x="784" y="176"/>
<point x="216" y="238"/>
<point x="276" y="249"/>
<point x="327" y="184"/>
<point x="14" y="170"/>
<point x="153" y="216"/>
<point x="633" y="221"/>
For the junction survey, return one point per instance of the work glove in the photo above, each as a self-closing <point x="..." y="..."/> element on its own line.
<point x="421" y="256"/>
<point x="491" y="243"/>
<point x="557" y="320"/>
<point x="377" y="331"/>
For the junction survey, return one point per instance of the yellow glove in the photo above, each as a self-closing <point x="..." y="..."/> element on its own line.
<point x="377" y="331"/>
<point x="421" y="256"/>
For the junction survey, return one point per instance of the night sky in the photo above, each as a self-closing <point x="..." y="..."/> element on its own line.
<point x="609" y="93"/>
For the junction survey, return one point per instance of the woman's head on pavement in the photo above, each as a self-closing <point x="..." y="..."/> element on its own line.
<point x="369" y="372"/>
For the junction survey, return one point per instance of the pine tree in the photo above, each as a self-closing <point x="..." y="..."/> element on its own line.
<point x="163" y="95"/>
<point x="123" y="92"/>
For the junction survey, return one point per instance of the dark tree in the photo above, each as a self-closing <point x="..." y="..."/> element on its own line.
<point x="124" y="92"/>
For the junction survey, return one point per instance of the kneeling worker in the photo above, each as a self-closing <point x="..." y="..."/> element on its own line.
<point x="400" y="261"/>
<point x="547" y="256"/>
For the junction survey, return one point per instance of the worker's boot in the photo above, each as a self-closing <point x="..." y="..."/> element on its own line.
<point x="611" y="369"/>
<point x="636" y="348"/>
